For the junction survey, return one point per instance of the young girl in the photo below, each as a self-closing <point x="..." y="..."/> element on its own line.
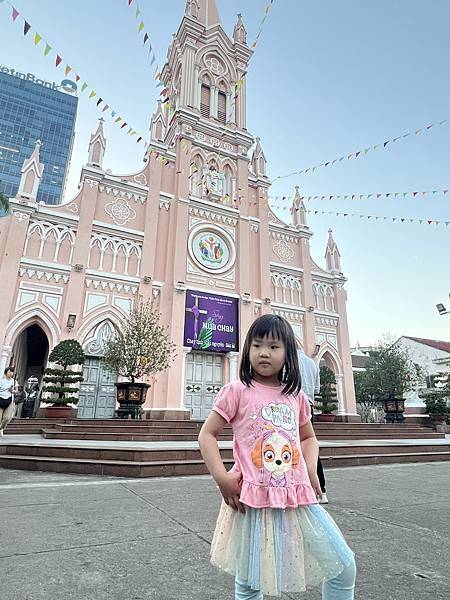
<point x="271" y="533"/>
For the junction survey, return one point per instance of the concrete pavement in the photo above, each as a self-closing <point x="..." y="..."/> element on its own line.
<point x="87" y="538"/>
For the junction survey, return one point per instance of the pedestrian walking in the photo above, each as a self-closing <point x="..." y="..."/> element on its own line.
<point x="19" y="398"/>
<point x="7" y="406"/>
<point x="271" y="533"/>
<point x="310" y="374"/>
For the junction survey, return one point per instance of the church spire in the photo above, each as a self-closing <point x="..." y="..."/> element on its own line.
<point x="298" y="209"/>
<point x="97" y="146"/>
<point x="240" y="33"/>
<point x="332" y="255"/>
<point x="32" y="171"/>
<point x="203" y="10"/>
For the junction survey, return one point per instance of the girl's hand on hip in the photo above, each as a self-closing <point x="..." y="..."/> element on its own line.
<point x="230" y="488"/>
<point x="315" y="485"/>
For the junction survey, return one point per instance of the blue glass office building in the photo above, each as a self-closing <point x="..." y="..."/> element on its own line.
<point x="32" y="109"/>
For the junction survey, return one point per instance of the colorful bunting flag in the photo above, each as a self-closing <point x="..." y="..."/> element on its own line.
<point x="358" y="153"/>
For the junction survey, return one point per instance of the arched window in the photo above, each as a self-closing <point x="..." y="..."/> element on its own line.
<point x="205" y="100"/>
<point x="222" y="107"/>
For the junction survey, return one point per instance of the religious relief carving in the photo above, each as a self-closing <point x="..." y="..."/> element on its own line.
<point x="120" y="211"/>
<point x="283" y="251"/>
<point x="215" y="142"/>
<point x="200" y="136"/>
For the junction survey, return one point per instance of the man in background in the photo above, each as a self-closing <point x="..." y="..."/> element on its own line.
<point x="310" y="375"/>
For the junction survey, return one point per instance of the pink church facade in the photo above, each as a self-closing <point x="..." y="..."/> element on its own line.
<point x="74" y="270"/>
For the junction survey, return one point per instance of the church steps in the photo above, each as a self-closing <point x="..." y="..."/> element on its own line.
<point x="176" y="462"/>
<point x="184" y="437"/>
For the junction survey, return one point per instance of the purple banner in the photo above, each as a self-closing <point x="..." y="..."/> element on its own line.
<point x="211" y="322"/>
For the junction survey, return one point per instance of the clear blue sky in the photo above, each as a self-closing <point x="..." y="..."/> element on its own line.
<point x="334" y="76"/>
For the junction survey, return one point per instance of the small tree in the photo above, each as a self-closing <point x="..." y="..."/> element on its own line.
<point x="61" y="381"/>
<point x="141" y="347"/>
<point x="391" y="372"/>
<point x="326" y="402"/>
<point x="366" y="396"/>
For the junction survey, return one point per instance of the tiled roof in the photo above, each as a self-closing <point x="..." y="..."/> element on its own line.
<point x="438" y="345"/>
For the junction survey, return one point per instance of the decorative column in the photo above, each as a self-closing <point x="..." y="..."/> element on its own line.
<point x="233" y="363"/>
<point x="197" y="85"/>
<point x="340" y="394"/>
<point x="213" y="101"/>
<point x="186" y="350"/>
<point x="6" y="353"/>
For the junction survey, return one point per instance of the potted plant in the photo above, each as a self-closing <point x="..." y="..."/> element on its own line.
<point x="435" y="400"/>
<point x="140" y="348"/>
<point x="326" y="401"/>
<point x="62" y="383"/>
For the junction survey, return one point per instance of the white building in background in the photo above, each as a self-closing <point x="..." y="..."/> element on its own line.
<point x="433" y="356"/>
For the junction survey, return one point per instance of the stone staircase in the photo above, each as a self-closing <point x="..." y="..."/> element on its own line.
<point x="169" y="448"/>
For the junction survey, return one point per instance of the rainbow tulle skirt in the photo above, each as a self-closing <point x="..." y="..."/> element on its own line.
<point x="279" y="550"/>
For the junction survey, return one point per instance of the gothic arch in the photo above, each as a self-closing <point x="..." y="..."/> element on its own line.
<point x="106" y="314"/>
<point x="97" y="335"/>
<point x="38" y="316"/>
<point x="331" y="358"/>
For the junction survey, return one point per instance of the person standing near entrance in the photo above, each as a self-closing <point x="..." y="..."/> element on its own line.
<point x="7" y="406"/>
<point x="310" y="374"/>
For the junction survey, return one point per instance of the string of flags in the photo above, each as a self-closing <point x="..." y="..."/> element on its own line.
<point x="400" y="220"/>
<point x="83" y="86"/>
<point x="151" y="53"/>
<point x="373" y="196"/>
<point x="365" y="151"/>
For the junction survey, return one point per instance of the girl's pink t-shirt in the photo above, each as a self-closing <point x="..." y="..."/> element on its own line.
<point x="266" y="444"/>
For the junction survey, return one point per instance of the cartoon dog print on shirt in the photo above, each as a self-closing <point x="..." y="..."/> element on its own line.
<point x="277" y="454"/>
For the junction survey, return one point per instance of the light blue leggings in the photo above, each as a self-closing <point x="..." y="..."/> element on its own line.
<point x="341" y="587"/>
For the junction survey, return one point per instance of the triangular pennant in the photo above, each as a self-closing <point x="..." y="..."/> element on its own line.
<point x="92" y="94"/>
<point x="138" y="140"/>
<point x="67" y="70"/>
<point x="58" y="60"/>
<point x="47" y="49"/>
<point x="105" y="107"/>
<point x="77" y="78"/>
<point x="26" y="27"/>
<point x="15" y="14"/>
<point x="141" y="26"/>
<point x="145" y="38"/>
<point x="138" y="12"/>
<point x="37" y="38"/>
<point x="84" y="86"/>
<point x="99" y="101"/>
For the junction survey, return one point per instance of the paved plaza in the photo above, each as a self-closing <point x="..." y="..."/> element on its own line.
<point x="69" y="537"/>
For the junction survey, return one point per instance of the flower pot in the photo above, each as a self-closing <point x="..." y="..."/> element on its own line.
<point x="324" y="418"/>
<point x="439" y="422"/>
<point x="130" y="396"/>
<point x="59" y="412"/>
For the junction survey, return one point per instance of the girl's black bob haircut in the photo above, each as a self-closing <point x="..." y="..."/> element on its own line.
<point x="278" y="328"/>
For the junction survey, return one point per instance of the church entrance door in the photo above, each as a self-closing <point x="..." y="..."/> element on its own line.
<point x="204" y="378"/>
<point x="97" y="391"/>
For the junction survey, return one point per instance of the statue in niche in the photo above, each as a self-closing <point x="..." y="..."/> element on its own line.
<point x="213" y="182"/>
